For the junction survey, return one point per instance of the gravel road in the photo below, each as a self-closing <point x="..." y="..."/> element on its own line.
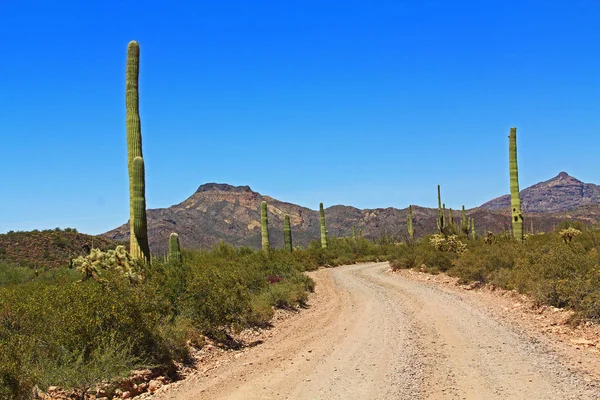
<point x="371" y="334"/>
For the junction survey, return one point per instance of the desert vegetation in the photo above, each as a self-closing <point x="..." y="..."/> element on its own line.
<point x="95" y="313"/>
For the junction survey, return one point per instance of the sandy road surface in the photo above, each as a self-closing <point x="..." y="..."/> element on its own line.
<point x="370" y="334"/>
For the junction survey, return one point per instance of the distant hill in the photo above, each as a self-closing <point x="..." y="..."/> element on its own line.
<point x="48" y="248"/>
<point x="219" y="211"/>
<point x="559" y="194"/>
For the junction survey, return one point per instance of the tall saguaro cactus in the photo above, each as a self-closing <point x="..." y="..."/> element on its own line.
<point x="138" y="241"/>
<point x="409" y="223"/>
<point x="472" y="226"/>
<point x="515" y="199"/>
<point x="287" y="233"/>
<point x="464" y="227"/>
<point x="264" y="223"/>
<point x="174" y="249"/>
<point x="440" y="218"/>
<point x="323" y="230"/>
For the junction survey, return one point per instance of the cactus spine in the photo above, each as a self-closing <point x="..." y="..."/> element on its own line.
<point x="287" y="233"/>
<point x="138" y="241"/>
<point x="440" y="218"/>
<point x="174" y="249"/>
<point x="515" y="199"/>
<point x="409" y="223"/>
<point x="264" y="222"/>
<point x="323" y="230"/>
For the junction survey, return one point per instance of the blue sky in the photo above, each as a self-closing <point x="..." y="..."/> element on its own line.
<point x="364" y="103"/>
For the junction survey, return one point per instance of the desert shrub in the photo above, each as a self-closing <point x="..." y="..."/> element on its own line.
<point x="555" y="274"/>
<point x="485" y="263"/>
<point x="404" y="257"/>
<point x="63" y="330"/>
<point x="10" y="275"/>
<point x="433" y="260"/>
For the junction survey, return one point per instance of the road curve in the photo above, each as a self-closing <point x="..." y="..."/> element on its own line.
<point x="370" y="334"/>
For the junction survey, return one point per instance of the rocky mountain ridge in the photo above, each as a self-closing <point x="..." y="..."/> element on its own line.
<point x="561" y="193"/>
<point x="218" y="211"/>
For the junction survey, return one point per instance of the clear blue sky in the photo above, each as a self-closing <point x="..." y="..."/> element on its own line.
<point x="364" y="103"/>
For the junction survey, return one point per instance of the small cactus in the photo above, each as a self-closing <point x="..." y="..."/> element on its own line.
<point x="264" y="223"/>
<point x="174" y="249"/>
<point x="323" y="230"/>
<point x="287" y="233"/>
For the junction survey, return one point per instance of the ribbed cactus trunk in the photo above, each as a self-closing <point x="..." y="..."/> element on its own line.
<point x="287" y="233"/>
<point x="409" y="223"/>
<point x="139" y="228"/>
<point x="472" y="226"/>
<point x="174" y="249"/>
<point x="440" y="218"/>
<point x="444" y="218"/>
<point x="464" y="227"/>
<point x="515" y="199"/>
<point x="138" y="241"/>
<point x="323" y="229"/>
<point x="264" y="223"/>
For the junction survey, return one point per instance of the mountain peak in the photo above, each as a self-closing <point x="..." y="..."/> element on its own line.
<point x="561" y="193"/>
<point x="223" y="187"/>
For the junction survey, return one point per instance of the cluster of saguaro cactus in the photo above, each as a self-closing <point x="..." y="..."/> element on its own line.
<point x="174" y="249"/>
<point x="440" y="218"/>
<point x="264" y="223"/>
<point x="323" y="229"/>
<point x="409" y="223"/>
<point x="139" y="247"/>
<point x="515" y="199"/>
<point x="287" y="233"/>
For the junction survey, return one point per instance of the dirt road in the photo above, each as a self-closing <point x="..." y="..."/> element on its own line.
<point x="370" y="334"/>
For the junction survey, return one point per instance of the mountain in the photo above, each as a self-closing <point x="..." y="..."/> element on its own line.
<point x="48" y="248"/>
<point x="218" y="211"/>
<point x="559" y="194"/>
